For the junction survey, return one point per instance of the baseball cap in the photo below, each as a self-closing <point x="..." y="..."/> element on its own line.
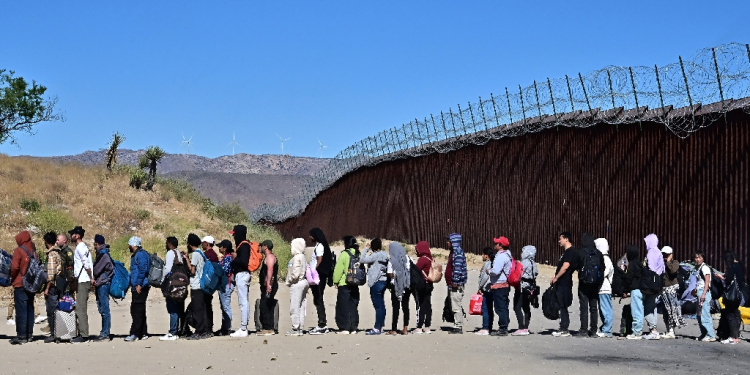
<point x="667" y="250"/>
<point x="208" y="239"/>
<point x="225" y="244"/>
<point x="502" y="241"/>
<point x="268" y="244"/>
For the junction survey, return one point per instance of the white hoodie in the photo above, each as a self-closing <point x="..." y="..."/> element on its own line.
<point x="296" y="267"/>
<point x="609" y="271"/>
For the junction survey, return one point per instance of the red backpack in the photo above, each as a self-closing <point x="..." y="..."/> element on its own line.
<point x="516" y="270"/>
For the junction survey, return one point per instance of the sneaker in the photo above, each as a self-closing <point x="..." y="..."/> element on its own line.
<point x="144" y="337"/>
<point x="49" y="339"/>
<point x="220" y="333"/>
<point x="239" y="333"/>
<point x="11" y="322"/>
<point x="669" y="335"/>
<point x="78" y="340"/>
<point x="730" y="341"/>
<point x="373" y="332"/>
<point x="482" y="332"/>
<point x="709" y="339"/>
<point x="417" y="331"/>
<point x="131" y="338"/>
<point x="354" y="332"/>
<point x="342" y="332"/>
<point x="319" y="331"/>
<point x="582" y="334"/>
<point x="634" y="337"/>
<point x="500" y="333"/>
<point x="520" y="332"/>
<point x="266" y="332"/>
<point x="603" y="335"/>
<point x="456" y="331"/>
<point x="40" y="319"/>
<point x="17" y="341"/>
<point x="169" y="337"/>
<point x="651" y="336"/>
<point x="561" y="334"/>
<point x="293" y="332"/>
<point x="426" y="331"/>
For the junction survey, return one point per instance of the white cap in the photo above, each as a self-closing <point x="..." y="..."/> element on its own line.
<point x="666" y="250"/>
<point x="208" y="239"/>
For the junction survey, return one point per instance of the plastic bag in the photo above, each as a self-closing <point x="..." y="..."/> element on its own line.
<point x="475" y="305"/>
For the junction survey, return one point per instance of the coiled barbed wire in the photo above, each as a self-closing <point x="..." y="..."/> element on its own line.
<point x="685" y="96"/>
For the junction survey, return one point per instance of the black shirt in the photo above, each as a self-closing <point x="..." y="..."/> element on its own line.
<point x="572" y="256"/>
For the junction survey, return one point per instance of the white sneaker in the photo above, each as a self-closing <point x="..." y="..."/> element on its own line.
<point x="669" y="335"/>
<point x="417" y="331"/>
<point x="11" y="322"/>
<point x="561" y="334"/>
<point x="651" y="336"/>
<point x="342" y="332"/>
<point x="634" y="337"/>
<point x="294" y="332"/>
<point x="318" y="331"/>
<point x="482" y="332"/>
<point x="239" y="333"/>
<point x="169" y="337"/>
<point x="709" y="339"/>
<point x="40" y="319"/>
<point x="426" y="331"/>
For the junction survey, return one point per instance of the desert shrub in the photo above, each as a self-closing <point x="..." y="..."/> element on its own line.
<point x="30" y="204"/>
<point x="141" y="214"/>
<point x="51" y="219"/>
<point x="231" y="213"/>
<point x="159" y="227"/>
<point x="180" y="190"/>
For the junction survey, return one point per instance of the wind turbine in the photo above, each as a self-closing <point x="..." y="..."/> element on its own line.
<point x="282" y="143"/>
<point x="233" y="143"/>
<point x="187" y="143"/>
<point x="320" y="149"/>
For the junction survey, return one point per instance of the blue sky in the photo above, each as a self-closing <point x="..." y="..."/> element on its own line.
<point x="337" y="70"/>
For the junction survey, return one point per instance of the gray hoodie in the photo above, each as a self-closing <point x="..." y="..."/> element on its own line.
<point x="378" y="261"/>
<point x="528" y="253"/>
<point x="484" y="278"/>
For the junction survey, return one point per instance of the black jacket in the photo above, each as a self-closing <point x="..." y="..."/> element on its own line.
<point x="241" y="259"/>
<point x="635" y="268"/>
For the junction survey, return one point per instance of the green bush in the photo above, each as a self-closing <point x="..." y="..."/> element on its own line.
<point x="31" y="205"/>
<point x="51" y="220"/>
<point x="142" y="214"/>
<point x="231" y="213"/>
<point x="180" y="190"/>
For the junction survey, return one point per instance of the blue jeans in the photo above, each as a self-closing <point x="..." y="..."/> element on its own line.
<point x="176" y="310"/>
<point x="704" y="317"/>
<point x="225" y="298"/>
<point x="488" y="315"/>
<point x="501" y="298"/>
<point x="606" y="313"/>
<point x="377" y="294"/>
<point x="102" y="303"/>
<point x="24" y="313"/>
<point x="636" y="308"/>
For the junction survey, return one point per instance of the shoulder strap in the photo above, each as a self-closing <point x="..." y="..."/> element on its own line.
<point x="29" y="253"/>
<point x="176" y="257"/>
<point x="203" y="255"/>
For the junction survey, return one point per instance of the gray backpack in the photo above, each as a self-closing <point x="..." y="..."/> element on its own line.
<point x="35" y="277"/>
<point x="156" y="271"/>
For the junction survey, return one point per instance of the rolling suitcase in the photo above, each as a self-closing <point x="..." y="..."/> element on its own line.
<point x="258" y="326"/>
<point x="66" y="326"/>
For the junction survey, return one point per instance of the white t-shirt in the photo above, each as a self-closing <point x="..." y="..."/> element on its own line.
<point x="703" y="270"/>
<point x="318" y="252"/>
<point x="196" y="260"/>
<point x="82" y="262"/>
<point x="170" y="261"/>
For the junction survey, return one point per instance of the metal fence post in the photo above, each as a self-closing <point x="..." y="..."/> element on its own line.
<point x="523" y="108"/>
<point x="538" y="105"/>
<point x="484" y="119"/>
<point x="453" y="122"/>
<point x="510" y="111"/>
<point x="586" y="95"/>
<point x="570" y="93"/>
<point x="718" y="80"/>
<point x="635" y="95"/>
<point x="687" y="89"/>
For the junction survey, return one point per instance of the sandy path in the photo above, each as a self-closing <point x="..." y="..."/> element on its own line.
<point x="438" y="353"/>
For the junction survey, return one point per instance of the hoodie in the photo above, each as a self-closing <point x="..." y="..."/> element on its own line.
<point x="587" y="240"/>
<point x="104" y="268"/>
<point x="378" y="265"/>
<point x="140" y="263"/>
<point x="242" y="254"/>
<point x="654" y="258"/>
<point x="635" y="269"/>
<point x="456" y="272"/>
<point x="530" y="271"/>
<point x="424" y="261"/>
<point x="19" y="264"/>
<point x="297" y="265"/>
<point x="609" y="271"/>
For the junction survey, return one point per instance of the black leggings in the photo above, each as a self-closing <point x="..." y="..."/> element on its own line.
<point x="521" y="305"/>
<point x="424" y="307"/>
<point x="139" y="327"/>
<point x="320" y="307"/>
<point x="404" y="305"/>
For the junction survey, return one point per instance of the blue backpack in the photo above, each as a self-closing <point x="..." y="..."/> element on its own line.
<point x="213" y="275"/>
<point x="118" y="287"/>
<point x="5" y="260"/>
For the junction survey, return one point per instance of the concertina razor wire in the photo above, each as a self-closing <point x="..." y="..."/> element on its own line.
<point x="685" y="96"/>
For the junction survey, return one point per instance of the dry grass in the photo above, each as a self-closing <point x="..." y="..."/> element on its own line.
<point x="103" y="203"/>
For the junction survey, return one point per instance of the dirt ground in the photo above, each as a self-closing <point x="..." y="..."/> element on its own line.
<point x="438" y="353"/>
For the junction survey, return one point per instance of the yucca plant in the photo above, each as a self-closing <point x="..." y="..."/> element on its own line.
<point x="149" y="159"/>
<point x="117" y="140"/>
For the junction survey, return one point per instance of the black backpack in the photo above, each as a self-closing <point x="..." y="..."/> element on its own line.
<point x="618" y="282"/>
<point x="448" y="310"/>
<point x="591" y="269"/>
<point x="651" y="282"/>
<point x="417" y="282"/>
<point x="355" y="273"/>
<point x="683" y="275"/>
<point x="550" y="304"/>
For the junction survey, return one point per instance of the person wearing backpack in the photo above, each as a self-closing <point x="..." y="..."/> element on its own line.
<point x="703" y="291"/>
<point x="322" y="261"/>
<point x="523" y="295"/>
<point x="347" y="298"/>
<point x="605" y="291"/>
<point x="82" y="267"/>
<point x="499" y="285"/>
<point x="55" y="282"/>
<point x="104" y="271"/>
<point x="423" y="298"/>
<point x="643" y="301"/>
<point x="269" y="285"/>
<point x="298" y="286"/>
<point x="140" y="263"/>
<point x="731" y="313"/>
<point x="672" y="307"/>
<point x="242" y="277"/>
<point x="225" y="291"/>
<point x="377" y="280"/>
<point x="399" y="274"/>
<point x="589" y="284"/>
<point x="197" y="295"/>
<point x="207" y="245"/>
<point x="24" y="299"/>
<point x="456" y="274"/>
<point x="175" y="308"/>
<point x="568" y="263"/>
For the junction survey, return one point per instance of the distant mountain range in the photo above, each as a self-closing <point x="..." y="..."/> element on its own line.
<point x="248" y="179"/>
<point x="239" y="163"/>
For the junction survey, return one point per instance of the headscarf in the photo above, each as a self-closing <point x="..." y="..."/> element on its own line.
<point x="402" y="277"/>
